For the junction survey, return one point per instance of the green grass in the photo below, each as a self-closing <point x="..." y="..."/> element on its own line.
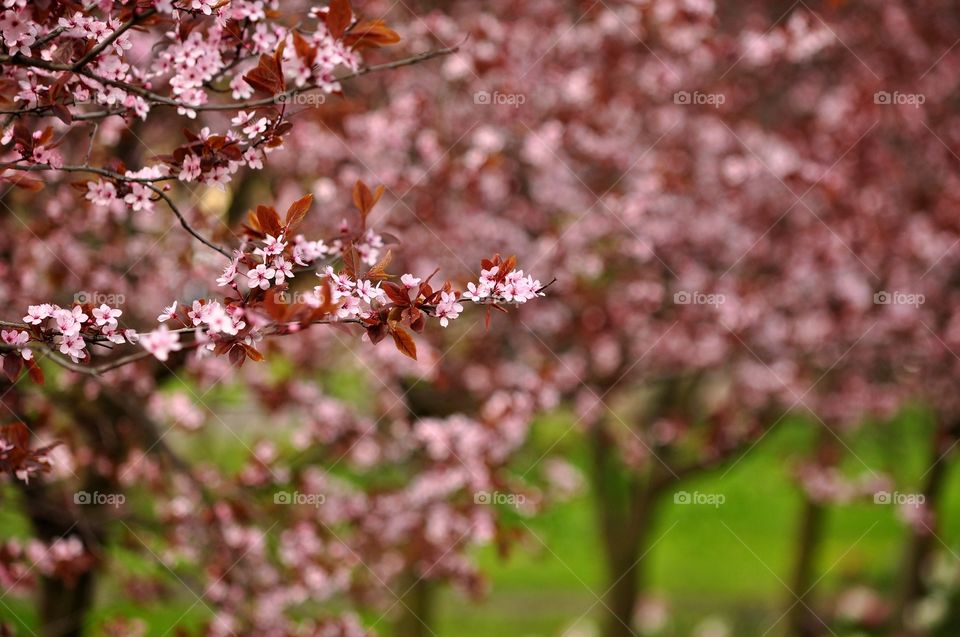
<point x="728" y="561"/>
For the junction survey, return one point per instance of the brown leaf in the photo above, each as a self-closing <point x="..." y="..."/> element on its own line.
<point x="252" y="353"/>
<point x="33" y="185"/>
<point x="396" y="293"/>
<point x="379" y="271"/>
<point x="36" y="374"/>
<point x="298" y="210"/>
<point x="269" y="220"/>
<point x="371" y="34"/>
<point x="365" y="200"/>
<point x="305" y="51"/>
<point x="351" y="260"/>
<point x="267" y="76"/>
<point x="404" y="341"/>
<point x="339" y="17"/>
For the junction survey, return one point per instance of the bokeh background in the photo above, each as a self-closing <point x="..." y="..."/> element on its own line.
<point x="733" y="414"/>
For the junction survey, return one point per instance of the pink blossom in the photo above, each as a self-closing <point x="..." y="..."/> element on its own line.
<point x="168" y="313"/>
<point x="105" y="315"/>
<point x="447" y="308"/>
<point x="161" y="342"/>
<point x="259" y="277"/>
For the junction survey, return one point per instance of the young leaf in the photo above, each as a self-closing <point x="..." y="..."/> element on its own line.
<point x="404" y="341"/>
<point x="269" y="220"/>
<point x="379" y="271"/>
<point x="339" y="17"/>
<point x="351" y="260"/>
<point x="365" y="200"/>
<point x="298" y="210"/>
<point x="371" y="34"/>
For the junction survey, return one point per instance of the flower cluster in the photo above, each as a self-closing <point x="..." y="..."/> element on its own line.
<point x="502" y="285"/>
<point x="74" y="328"/>
<point x="111" y="60"/>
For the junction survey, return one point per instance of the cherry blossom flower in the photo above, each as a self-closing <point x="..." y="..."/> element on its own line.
<point x="229" y="273"/>
<point x="368" y="292"/>
<point x="190" y="170"/>
<point x="72" y="345"/>
<point x="447" y="308"/>
<point x="105" y="315"/>
<point x="37" y="313"/>
<point x="168" y="313"/>
<point x="259" y="277"/>
<point x="409" y="281"/>
<point x="161" y="342"/>
<point x="18" y="339"/>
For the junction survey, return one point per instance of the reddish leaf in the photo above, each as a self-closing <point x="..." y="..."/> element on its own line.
<point x="269" y="220"/>
<point x="252" y="353"/>
<point x="12" y="366"/>
<point x="351" y="260"/>
<point x="36" y="374"/>
<point x="298" y="210"/>
<point x="267" y="76"/>
<point x="305" y="51"/>
<point x="339" y="17"/>
<point x="371" y="34"/>
<point x="33" y="185"/>
<point x="404" y="341"/>
<point x="379" y="271"/>
<point x="396" y="293"/>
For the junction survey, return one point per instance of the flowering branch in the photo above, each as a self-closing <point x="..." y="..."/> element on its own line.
<point x="360" y="293"/>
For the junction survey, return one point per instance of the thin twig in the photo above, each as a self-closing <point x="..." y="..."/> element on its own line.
<point x="129" y="24"/>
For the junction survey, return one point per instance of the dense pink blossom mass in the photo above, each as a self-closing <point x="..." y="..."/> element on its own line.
<point x="725" y="216"/>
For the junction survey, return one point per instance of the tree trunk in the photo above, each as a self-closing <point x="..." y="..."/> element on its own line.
<point x="802" y="620"/>
<point x="415" y="617"/>
<point x="624" y="508"/>
<point x="920" y="543"/>
<point x="64" y="607"/>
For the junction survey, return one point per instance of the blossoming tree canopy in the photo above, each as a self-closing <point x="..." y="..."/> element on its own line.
<point x="85" y="85"/>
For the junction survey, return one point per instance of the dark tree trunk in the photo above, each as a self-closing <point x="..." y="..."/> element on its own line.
<point x="802" y="617"/>
<point x="624" y="509"/>
<point x="64" y="607"/>
<point x="921" y="543"/>
<point x="802" y="620"/>
<point x="416" y="612"/>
